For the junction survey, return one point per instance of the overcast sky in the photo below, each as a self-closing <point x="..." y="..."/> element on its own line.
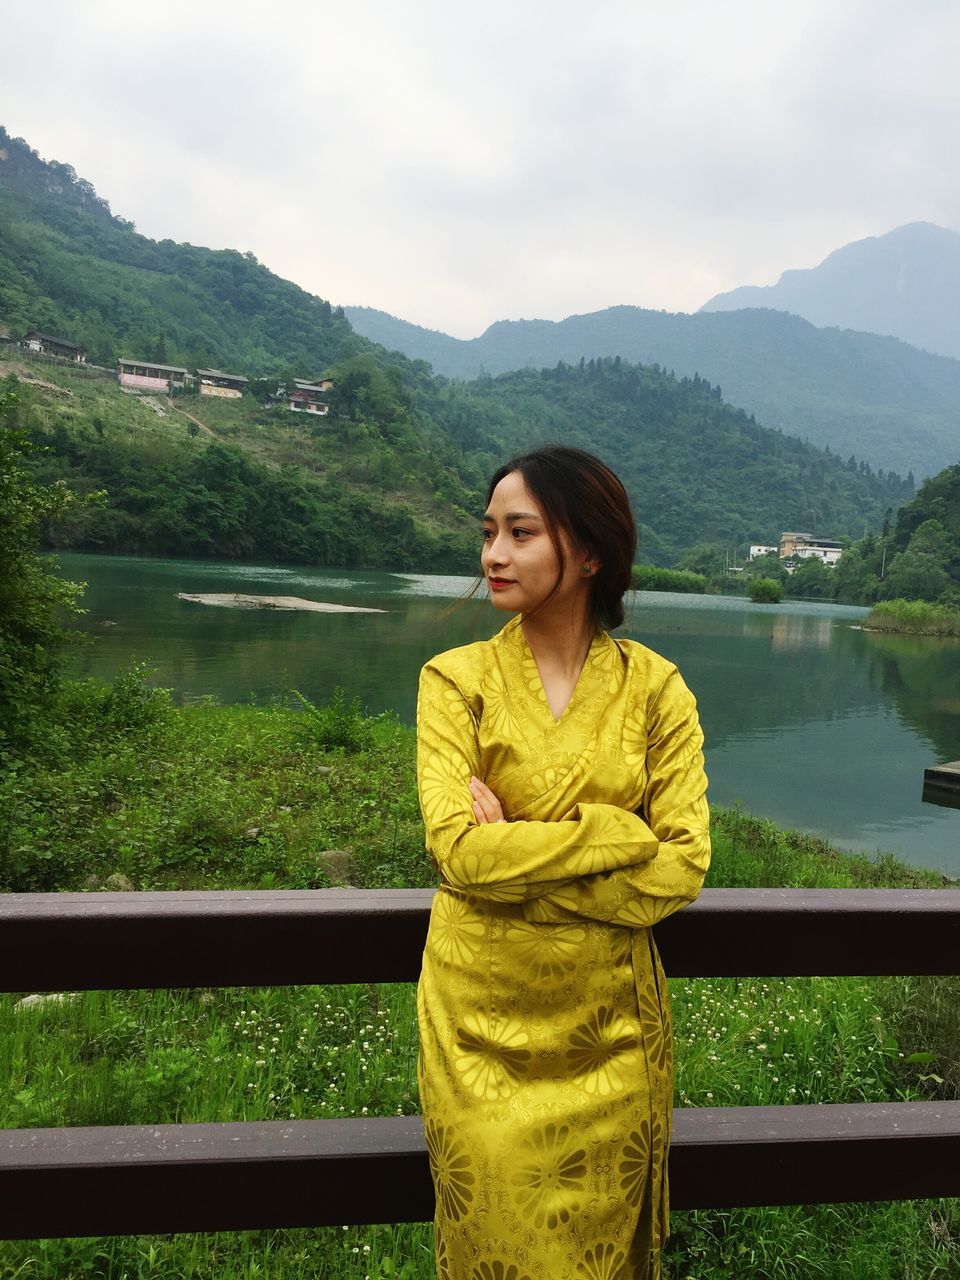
<point x="457" y="164"/>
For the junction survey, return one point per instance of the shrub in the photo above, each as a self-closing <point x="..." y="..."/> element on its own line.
<point x="765" y="591"/>
<point x="648" y="577"/>
<point x="336" y="725"/>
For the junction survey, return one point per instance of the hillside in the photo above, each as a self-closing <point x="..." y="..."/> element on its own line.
<point x="697" y="469"/>
<point x="905" y="284"/>
<point x="876" y="398"/>
<point x="394" y="477"/>
<point x="69" y="266"/>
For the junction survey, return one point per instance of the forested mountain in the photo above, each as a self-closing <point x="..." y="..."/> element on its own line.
<point x="876" y="398"/>
<point x="395" y="475"/>
<point x="905" y="284"/>
<point x="69" y="266"/>
<point x="697" y="469"/>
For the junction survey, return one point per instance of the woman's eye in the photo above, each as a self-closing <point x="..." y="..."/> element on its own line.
<point x="485" y="535"/>
<point x="521" y="533"/>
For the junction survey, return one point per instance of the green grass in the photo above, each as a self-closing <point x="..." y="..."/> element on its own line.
<point x="915" y="617"/>
<point x="239" y="797"/>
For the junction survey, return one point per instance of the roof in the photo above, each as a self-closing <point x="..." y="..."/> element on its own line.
<point x="152" y="364"/>
<point x="301" y="385"/>
<point x="47" y="337"/>
<point x="218" y="373"/>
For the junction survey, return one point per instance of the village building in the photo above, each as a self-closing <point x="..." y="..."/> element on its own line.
<point x="756" y="549"/>
<point x="804" y="546"/>
<point x="214" y="382"/>
<point x="145" y="375"/>
<point x="305" y="397"/>
<point x="62" y="348"/>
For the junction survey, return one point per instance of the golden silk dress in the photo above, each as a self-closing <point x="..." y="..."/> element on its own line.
<point x="546" y="1068"/>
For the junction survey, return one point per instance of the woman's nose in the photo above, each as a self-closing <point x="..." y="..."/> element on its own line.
<point x="495" y="550"/>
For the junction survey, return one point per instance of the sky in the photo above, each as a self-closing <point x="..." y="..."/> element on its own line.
<point x="456" y="164"/>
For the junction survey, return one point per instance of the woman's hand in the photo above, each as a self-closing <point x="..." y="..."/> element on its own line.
<point x="486" y="806"/>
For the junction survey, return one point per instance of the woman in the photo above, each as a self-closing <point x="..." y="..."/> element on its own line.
<point x="561" y="781"/>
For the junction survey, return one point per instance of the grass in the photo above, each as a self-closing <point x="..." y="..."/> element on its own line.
<point x="209" y="796"/>
<point x="915" y="617"/>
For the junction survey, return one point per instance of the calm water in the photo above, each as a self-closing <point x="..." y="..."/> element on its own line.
<point x="809" y="721"/>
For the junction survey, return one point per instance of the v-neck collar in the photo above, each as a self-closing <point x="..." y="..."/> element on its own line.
<point x="532" y="678"/>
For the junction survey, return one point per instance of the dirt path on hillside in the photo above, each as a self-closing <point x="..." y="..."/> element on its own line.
<point x="196" y="421"/>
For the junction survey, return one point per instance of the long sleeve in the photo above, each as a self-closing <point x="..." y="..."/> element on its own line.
<point x="512" y="861"/>
<point x="676" y="808"/>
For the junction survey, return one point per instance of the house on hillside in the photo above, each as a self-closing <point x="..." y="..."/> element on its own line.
<point x="145" y="375"/>
<point x="804" y="546"/>
<point x="214" y="382"/>
<point x="305" y="397"/>
<point x="45" y="345"/>
<point x="757" y="549"/>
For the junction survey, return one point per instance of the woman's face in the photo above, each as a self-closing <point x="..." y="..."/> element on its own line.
<point x="519" y="560"/>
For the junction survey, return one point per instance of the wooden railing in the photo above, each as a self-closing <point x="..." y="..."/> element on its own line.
<point x="123" y="1180"/>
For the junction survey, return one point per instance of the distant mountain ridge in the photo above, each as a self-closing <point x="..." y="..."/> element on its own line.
<point x="396" y="472"/>
<point x="905" y="284"/>
<point x="873" y="397"/>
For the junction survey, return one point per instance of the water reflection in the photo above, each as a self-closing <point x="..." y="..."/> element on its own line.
<point x="809" y="720"/>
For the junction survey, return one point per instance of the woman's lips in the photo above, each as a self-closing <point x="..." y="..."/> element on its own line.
<point x="500" y="584"/>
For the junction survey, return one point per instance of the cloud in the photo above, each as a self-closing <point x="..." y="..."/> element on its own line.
<point x="459" y="164"/>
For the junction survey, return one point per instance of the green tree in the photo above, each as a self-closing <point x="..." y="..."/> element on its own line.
<point x="811" y="579"/>
<point x="33" y="600"/>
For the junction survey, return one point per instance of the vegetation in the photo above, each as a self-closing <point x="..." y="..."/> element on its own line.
<point x="914" y="616"/>
<point x="648" y="577"/>
<point x="256" y="482"/>
<point x="402" y="453"/>
<point x="854" y="393"/>
<point x="765" y="590"/>
<point x="696" y="469"/>
<point x="33" y="599"/>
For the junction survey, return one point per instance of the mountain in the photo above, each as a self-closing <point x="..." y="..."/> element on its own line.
<point x="859" y="394"/>
<point x="697" y="470"/>
<point x="394" y="476"/>
<point x="69" y="266"/>
<point x="905" y="284"/>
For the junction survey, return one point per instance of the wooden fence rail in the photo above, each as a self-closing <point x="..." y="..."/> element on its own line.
<point x="161" y="1178"/>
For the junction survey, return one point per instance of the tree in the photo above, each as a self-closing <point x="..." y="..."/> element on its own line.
<point x="32" y="598"/>
<point x="811" y="579"/>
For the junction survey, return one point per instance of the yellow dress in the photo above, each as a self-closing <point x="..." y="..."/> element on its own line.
<point x="546" y="1069"/>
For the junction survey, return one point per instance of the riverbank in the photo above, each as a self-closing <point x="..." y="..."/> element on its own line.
<point x="913" y="617"/>
<point x="246" y="797"/>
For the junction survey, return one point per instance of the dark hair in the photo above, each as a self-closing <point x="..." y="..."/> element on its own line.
<point x="578" y="493"/>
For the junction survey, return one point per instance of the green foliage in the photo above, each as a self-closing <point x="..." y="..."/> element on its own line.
<point x="915" y="617"/>
<point x="337" y="724"/>
<point x="68" y="266"/>
<point x="765" y="590"/>
<point x="648" y="577"/>
<point x="33" y="600"/>
<point x="698" y="471"/>
<point x="919" y="560"/>
<point x="852" y="392"/>
<point x="811" y="579"/>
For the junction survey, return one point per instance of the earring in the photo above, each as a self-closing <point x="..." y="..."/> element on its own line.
<point x="587" y="571"/>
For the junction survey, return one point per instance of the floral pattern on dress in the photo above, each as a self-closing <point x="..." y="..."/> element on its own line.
<point x="491" y="1054"/>
<point x="603" y="1050"/>
<point x="550" y="1175"/>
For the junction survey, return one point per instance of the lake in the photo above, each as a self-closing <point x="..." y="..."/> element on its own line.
<point x="808" y="720"/>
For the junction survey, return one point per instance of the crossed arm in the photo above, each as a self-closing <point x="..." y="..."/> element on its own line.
<point x="600" y="861"/>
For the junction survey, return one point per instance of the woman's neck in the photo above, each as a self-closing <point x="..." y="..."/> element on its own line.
<point x="559" y="644"/>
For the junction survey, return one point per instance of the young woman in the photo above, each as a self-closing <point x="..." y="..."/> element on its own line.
<point x="561" y="781"/>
